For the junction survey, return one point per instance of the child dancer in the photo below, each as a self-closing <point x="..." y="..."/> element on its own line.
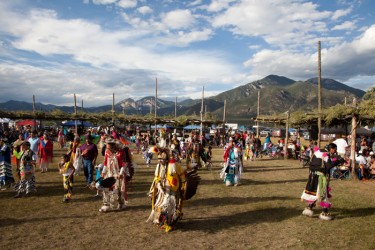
<point x="67" y="170"/>
<point x="98" y="179"/>
<point x="147" y="155"/>
<point x="26" y="185"/>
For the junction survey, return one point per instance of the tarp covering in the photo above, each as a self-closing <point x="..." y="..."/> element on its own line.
<point x="79" y="123"/>
<point x="191" y="127"/>
<point x="27" y="123"/>
<point x="5" y="120"/>
<point x="161" y="126"/>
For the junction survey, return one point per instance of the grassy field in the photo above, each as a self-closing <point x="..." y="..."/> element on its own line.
<point x="264" y="212"/>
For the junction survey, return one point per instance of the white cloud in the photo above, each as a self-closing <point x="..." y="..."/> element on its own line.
<point x="104" y="2"/>
<point x="162" y="34"/>
<point x="127" y="3"/>
<point x="100" y="59"/>
<point x="178" y="19"/>
<point x="111" y="55"/>
<point x="183" y="39"/>
<point x="347" y="25"/>
<point x="121" y="3"/>
<point x="278" y="22"/>
<point x="362" y="82"/>
<point x="340" y="13"/>
<point x="196" y="2"/>
<point x="144" y="10"/>
<point x="278" y="62"/>
<point x="255" y="47"/>
<point x="341" y="62"/>
<point x="218" y="5"/>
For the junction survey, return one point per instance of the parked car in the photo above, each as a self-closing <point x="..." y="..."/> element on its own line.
<point x="265" y="132"/>
<point x="293" y="132"/>
<point x="306" y="135"/>
<point x="279" y="132"/>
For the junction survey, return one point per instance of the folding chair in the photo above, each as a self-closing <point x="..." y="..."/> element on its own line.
<point x="340" y="173"/>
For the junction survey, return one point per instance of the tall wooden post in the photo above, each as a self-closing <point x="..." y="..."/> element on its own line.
<point x="123" y="109"/>
<point x="175" y="108"/>
<point x="225" y="114"/>
<point x="156" y="101"/>
<point x="201" y="132"/>
<point x="113" y="109"/>
<point x="352" y="144"/>
<point x="258" y="109"/>
<point x="286" y="135"/>
<point x="75" y="113"/>
<point x="319" y="94"/>
<point x="34" y="113"/>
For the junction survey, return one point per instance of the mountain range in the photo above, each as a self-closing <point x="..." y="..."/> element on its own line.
<point x="277" y="94"/>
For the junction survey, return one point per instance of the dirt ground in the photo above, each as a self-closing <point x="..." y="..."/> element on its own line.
<point x="263" y="212"/>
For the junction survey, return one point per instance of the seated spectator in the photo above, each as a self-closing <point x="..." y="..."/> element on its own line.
<point x="291" y="148"/>
<point x="368" y="158"/>
<point x="362" y="164"/>
<point x="341" y="145"/>
<point x="372" y="167"/>
<point x="363" y="143"/>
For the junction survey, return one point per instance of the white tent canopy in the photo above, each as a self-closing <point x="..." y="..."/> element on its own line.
<point x="5" y="120"/>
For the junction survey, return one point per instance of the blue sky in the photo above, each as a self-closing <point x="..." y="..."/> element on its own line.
<point x="55" y="48"/>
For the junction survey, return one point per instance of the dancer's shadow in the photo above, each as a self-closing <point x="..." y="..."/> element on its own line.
<point x="224" y="201"/>
<point x="11" y="221"/>
<point x="224" y="222"/>
<point x="356" y="212"/>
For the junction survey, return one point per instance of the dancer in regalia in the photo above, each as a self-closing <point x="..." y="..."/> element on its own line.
<point x="193" y="159"/>
<point x="232" y="169"/>
<point x="46" y="152"/>
<point x="26" y="185"/>
<point x="67" y="170"/>
<point x="114" y="195"/>
<point x="317" y="187"/>
<point x="169" y="189"/>
<point x="6" y="176"/>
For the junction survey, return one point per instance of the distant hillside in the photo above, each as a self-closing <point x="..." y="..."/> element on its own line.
<point x="277" y="94"/>
<point x="337" y="86"/>
<point x="247" y="90"/>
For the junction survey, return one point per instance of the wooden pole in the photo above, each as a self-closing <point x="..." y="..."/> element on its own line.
<point x="175" y="108"/>
<point x="286" y="135"/>
<point x="319" y="94"/>
<point x="156" y="101"/>
<point x="258" y="109"/>
<point x="75" y="113"/>
<point x="224" y="114"/>
<point x="353" y="141"/>
<point x="34" y="113"/>
<point x="151" y="104"/>
<point x="82" y="105"/>
<point x="201" y="132"/>
<point x="113" y="109"/>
